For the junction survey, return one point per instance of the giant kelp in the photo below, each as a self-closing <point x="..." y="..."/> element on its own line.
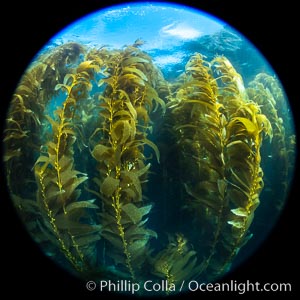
<point x="266" y="91"/>
<point x="26" y="112"/>
<point x="118" y="125"/>
<point x="244" y="133"/>
<point x="127" y="101"/>
<point x="218" y="134"/>
<point x="57" y="178"/>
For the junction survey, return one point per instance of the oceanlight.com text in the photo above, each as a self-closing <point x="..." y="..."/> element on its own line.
<point x="186" y="286"/>
<point x="239" y="287"/>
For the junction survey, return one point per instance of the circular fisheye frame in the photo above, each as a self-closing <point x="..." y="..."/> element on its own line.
<point x="143" y="147"/>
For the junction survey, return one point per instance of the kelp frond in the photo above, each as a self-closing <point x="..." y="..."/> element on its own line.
<point x="57" y="179"/>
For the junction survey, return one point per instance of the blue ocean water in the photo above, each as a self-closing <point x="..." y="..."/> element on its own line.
<point x="171" y="34"/>
<point x="162" y="27"/>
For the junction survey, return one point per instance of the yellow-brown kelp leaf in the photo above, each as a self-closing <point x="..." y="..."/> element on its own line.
<point x="80" y="205"/>
<point x="229" y="76"/>
<point x="153" y="146"/>
<point x="135" y="71"/>
<point x="71" y="187"/>
<point x="64" y="87"/>
<point x="121" y="131"/>
<point x="239" y="124"/>
<point x="134" y="213"/>
<point x="151" y="95"/>
<point x="133" y="61"/>
<point x="131" y="109"/>
<point x="130" y="179"/>
<point x="265" y="125"/>
<point x="109" y="186"/>
<point x="101" y="152"/>
<point x="65" y="163"/>
<point x="87" y="65"/>
<point x="83" y="234"/>
<point x="142" y="114"/>
<point x="123" y="114"/>
<point x="137" y="232"/>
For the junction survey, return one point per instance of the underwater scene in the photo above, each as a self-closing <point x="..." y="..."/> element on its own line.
<point x="156" y="148"/>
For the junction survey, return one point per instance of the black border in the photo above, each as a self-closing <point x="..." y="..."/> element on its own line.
<point x="25" y="30"/>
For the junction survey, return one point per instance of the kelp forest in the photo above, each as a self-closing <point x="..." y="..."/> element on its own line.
<point x="118" y="173"/>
